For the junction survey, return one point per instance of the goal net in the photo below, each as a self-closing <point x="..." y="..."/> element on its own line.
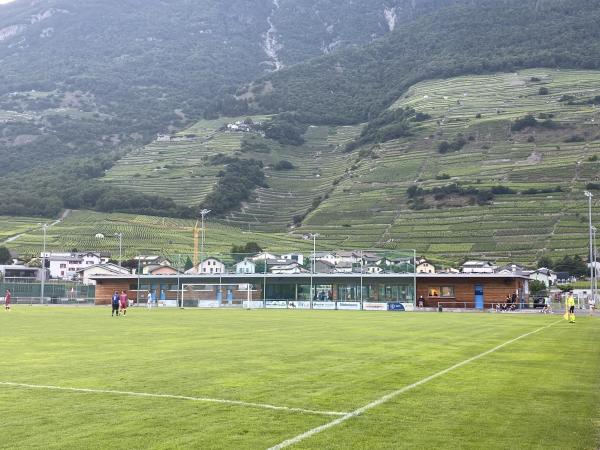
<point x="220" y="295"/>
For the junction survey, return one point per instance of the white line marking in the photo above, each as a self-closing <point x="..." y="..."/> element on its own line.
<point x="177" y="397"/>
<point x="391" y="395"/>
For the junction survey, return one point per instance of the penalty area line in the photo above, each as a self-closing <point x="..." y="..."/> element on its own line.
<point x="396" y="393"/>
<point x="175" y="397"/>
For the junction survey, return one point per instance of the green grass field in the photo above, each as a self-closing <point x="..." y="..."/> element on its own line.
<point x="539" y="391"/>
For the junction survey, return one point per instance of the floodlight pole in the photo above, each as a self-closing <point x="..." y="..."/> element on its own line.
<point x="203" y="213"/>
<point x="312" y="265"/>
<point x="120" y="236"/>
<point x="44" y="229"/>
<point x="595" y="270"/>
<point x="589" y="196"/>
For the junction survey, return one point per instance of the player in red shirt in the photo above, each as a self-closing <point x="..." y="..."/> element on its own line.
<point x="7" y="300"/>
<point x="124" y="302"/>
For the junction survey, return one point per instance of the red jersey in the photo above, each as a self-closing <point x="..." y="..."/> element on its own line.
<point x="124" y="301"/>
<point x="7" y="299"/>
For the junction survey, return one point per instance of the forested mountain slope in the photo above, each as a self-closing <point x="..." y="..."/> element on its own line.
<point x="464" y="37"/>
<point x="82" y="82"/>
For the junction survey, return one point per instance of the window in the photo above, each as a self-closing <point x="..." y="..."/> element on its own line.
<point x="63" y="266"/>
<point x="441" y="291"/>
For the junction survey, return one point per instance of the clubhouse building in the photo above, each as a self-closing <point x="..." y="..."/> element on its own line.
<point x="368" y="291"/>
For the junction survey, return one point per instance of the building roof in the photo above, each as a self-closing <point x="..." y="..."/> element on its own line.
<point x="110" y="267"/>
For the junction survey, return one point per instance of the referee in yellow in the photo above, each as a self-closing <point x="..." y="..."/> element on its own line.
<point x="570" y="306"/>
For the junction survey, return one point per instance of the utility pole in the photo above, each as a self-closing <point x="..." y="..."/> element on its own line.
<point x="44" y="229"/>
<point x="120" y="236"/>
<point x="589" y="196"/>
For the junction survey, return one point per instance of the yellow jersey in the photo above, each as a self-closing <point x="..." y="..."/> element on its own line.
<point x="570" y="301"/>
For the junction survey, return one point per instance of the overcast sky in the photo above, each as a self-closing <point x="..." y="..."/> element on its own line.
<point x="5" y="1"/>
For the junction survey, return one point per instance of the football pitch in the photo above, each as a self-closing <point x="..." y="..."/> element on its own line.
<point x="234" y="379"/>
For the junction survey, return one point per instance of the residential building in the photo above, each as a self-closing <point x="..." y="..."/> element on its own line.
<point x="423" y="266"/>
<point x="546" y="276"/>
<point x="263" y="256"/>
<point x="565" y="278"/>
<point x="285" y="267"/>
<point x="324" y="266"/>
<point x="160" y="270"/>
<point x="352" y="257"/>
<point x="295" y="257"/>
<point x="86" y="274"/>
<point x="245" y="266"/>
<point x="211" y="266"/>
<point x="343" y="267"/>
<point x="17" y="271"/>
<point x="323" y="256"/>
<point x="478" y="267"/>
<point x="152" y="260"/>
<point x="66" y="265"/>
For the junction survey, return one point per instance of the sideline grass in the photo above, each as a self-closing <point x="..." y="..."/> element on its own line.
<point x="542" y="391"/>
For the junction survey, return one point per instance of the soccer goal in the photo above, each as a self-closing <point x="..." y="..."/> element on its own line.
<point x="220" y="295"/>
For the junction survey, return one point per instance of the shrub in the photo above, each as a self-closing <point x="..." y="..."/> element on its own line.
<point x="284" y="165"/>
<point x="543" y="91"/>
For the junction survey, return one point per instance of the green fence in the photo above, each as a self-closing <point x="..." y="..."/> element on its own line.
<point x="54" y="292"/>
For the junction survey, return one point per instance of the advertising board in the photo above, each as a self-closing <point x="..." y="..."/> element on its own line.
<point x="167" y="304"/>
<point x="298" y="305"/>
<point x="395" y="307"/>
<point x="368" y="306"/>
<point x="323" y="305"/>
<point x="208" y="304"/>
<point x="355" y="306"/>
<point x="276" y="304"/>
<point x="409" y="306"/>
<point x="255" y="304"/>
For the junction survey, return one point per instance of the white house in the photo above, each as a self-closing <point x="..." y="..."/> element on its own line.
<point x="151" y="260"/>
<point x="323" y="256"/>
<point x="211" y="265"/>
<point x="346" y="257"/>
<point x="343" y="267"/>
<point x="425" y="267"/>
<point x="478" y="267"/>
<point x="546" y="276"/>
<point x="100" y="269"/>
<point x="263" y="256"/>
<point x="245" y="266"/>
<point x="286" y="268"/>
<point x="66" y="265"/>
<point x="295" y="257"/>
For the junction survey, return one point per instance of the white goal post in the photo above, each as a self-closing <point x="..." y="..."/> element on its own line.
<point x="215" y="295"/>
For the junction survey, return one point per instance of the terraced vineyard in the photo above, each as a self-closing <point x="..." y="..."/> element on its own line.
<point x="180" y="170"/>
<point x="370" y="206"/>
<point x="361" y="202"/>
<point x="143" y="234"/>
<point x="13" y="226"/>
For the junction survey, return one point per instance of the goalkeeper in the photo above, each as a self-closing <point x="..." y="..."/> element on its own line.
<point x="570" y="307"/>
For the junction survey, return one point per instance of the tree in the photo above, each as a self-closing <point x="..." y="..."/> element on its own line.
<point x="188" y="264"/>
<point x="239" y="252"/>
<point x="545" y="261"/>
<point x="5" y="257"/>
<point x="543" y="91"/>
<point x="536" y="286"/>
